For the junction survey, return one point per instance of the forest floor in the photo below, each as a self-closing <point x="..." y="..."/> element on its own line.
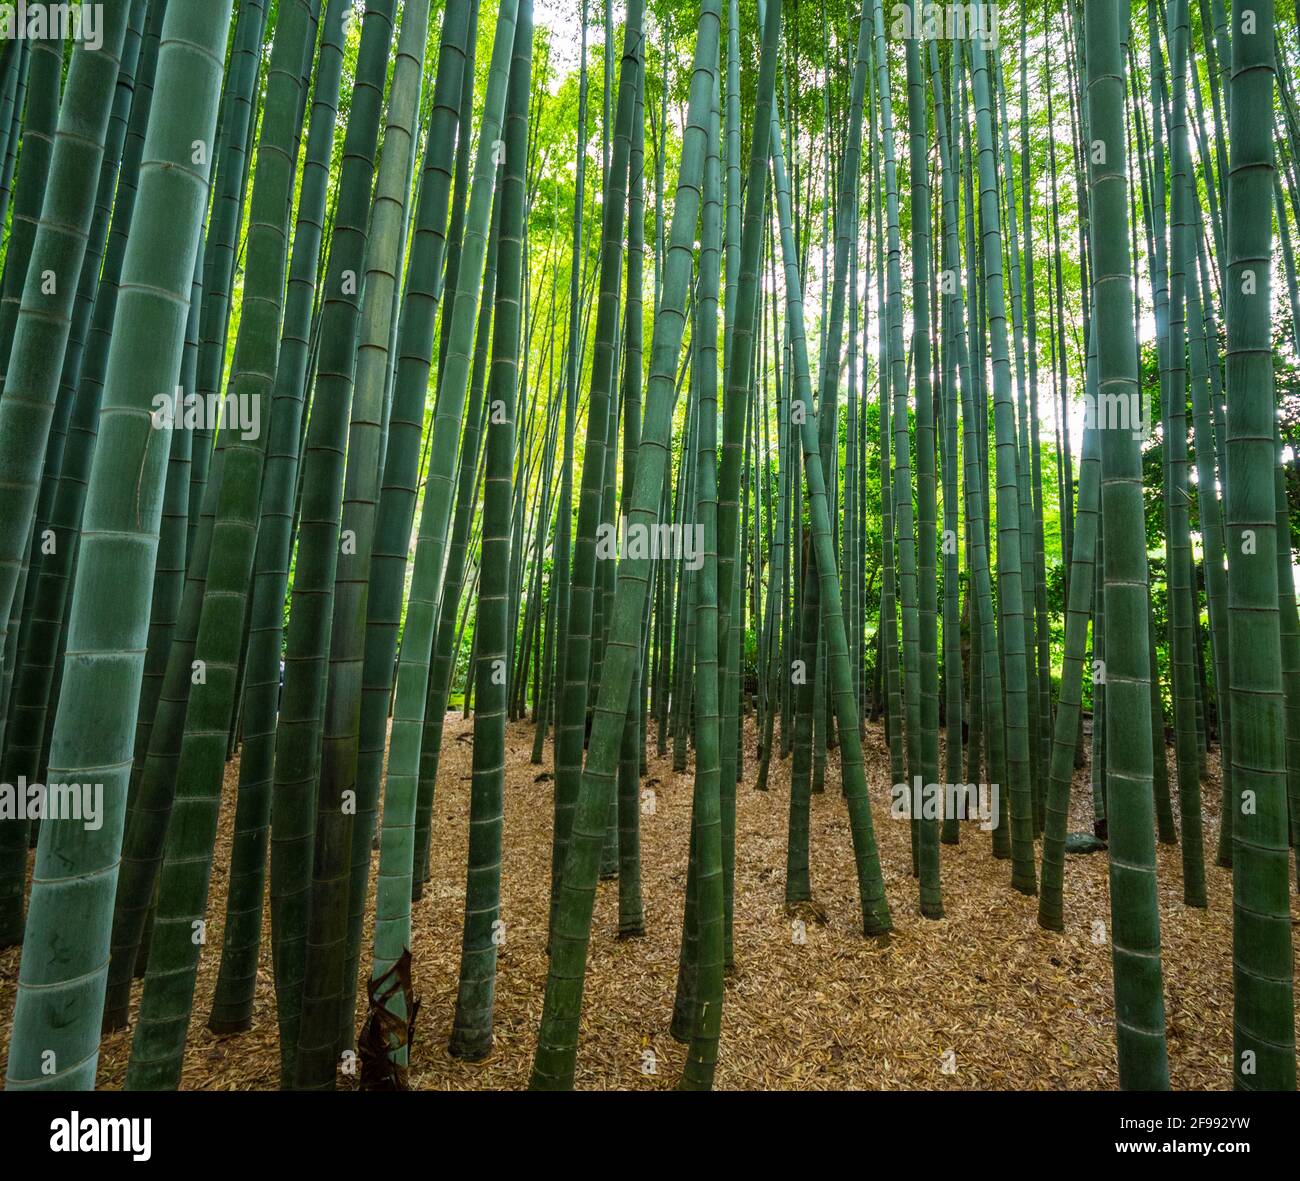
<point x="980" y="999"/>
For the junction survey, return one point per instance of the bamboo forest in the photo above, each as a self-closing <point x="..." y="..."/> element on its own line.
<point x="649" y="544"/>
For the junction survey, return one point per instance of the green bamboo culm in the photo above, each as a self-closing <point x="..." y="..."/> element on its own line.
<point x="908" y="723"/>
<point x="37" y="135"/>
<point x="159" y="1044"/>
<point x="32" y="671"/>
<point x="631" y="908"/>
<point x="56" y="245"/>
<point x="232" y="1007"/>
<point x="43" y="631"/>
<point x="566" y="783"/>
<point x="988" y="679"/>
<point x="890" y="370"/>
<point x="1263" y="1003"/>
<point x="44" y="76"/>
<point x="1183" y="594"/>
<point x="44" y="311"/>
<point x="472" y="1029"/>
<point x="706" y="805"/>
<point x="738" y="379"/>
<point x="451" y="618"/>
<point x="65" y="953"/>
<point x="235" y="124"/>
<point x="1065" y="736"/>
<point x="875" y="912"/>
<point x="950" y="319"/>
<point x="1209" y="508"/>
<point x="302" y="705"/>
<point x="404" y="454"/>
<point x="55" y="579"/>
<point x="1130" y="807"/>
<point x="738" y="365"/>
<point x="1010" y="583"/>
<point x="557" y="1048"/>
<point x="462" y="487"/>
<point x="931" y="901"/>
<point x="15" y="96"/>
<point x="397" y="845"/>
<point x="323" y="984"/>
<point x="581" y="640"/>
